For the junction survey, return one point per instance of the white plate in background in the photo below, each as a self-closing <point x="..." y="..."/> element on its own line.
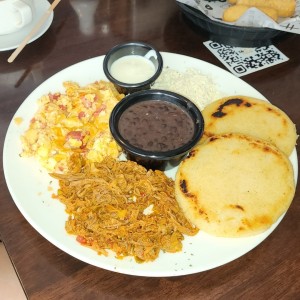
<point x="13" y="40"/>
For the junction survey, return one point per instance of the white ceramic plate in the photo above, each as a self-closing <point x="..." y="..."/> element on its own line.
<point x="31" y="187"/>
<point x="12" y="41"/>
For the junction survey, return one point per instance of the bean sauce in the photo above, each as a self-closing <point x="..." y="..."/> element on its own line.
<point x="156" y="125"/>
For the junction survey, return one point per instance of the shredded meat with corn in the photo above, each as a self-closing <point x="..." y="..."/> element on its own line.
<point x="119" y="205"/>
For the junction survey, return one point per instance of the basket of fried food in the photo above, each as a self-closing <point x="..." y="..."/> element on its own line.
<point x="272" y="8"/>
<point x="228" y="31"/>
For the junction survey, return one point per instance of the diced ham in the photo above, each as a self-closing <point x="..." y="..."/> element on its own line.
<point x="77" y="135"/>
<point x="54" y="96"/>
<point x="81" y="115"/>
<point x="101" y="108"/>
<point x="63" y="107"/>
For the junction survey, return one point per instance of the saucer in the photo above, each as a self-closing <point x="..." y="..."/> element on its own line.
<point x="12" y="41"/>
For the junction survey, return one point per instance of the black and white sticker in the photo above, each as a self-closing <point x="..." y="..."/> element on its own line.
<point x="243" y="61"/>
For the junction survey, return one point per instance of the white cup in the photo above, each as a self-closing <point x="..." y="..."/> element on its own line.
<point x="15" y="14"/>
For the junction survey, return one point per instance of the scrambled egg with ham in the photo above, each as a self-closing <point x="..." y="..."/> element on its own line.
<point x="76" y="121"/>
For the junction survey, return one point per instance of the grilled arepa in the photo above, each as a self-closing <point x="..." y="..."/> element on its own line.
<point x="250" y="116"/>
<point x="234" y="185"/>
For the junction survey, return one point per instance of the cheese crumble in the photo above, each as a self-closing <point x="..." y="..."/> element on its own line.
<point x="197" y="87"/>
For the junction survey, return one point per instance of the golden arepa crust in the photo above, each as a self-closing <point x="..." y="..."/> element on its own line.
<point x="234" y="185"/>
<point x="251" y="116"/>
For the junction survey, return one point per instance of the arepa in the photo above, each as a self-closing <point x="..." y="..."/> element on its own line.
<point x="251" y="116"/>
<point x="234" y="185"/>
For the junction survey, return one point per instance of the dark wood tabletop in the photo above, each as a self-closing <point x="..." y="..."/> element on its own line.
<point x="269" y="271"/>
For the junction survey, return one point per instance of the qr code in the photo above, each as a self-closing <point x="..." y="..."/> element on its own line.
<point x="243" y="61"/>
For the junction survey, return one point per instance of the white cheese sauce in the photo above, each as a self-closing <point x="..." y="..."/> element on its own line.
<point x="132" y="69"/>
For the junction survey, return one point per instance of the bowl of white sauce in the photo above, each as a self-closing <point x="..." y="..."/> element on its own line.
<point x="132" y="66"/>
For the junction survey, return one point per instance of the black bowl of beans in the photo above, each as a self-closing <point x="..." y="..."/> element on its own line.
<point x="156" y="128"/>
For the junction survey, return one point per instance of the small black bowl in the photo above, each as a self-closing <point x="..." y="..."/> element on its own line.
<point x="132" y="48"/>
<point x="156" y="159"/>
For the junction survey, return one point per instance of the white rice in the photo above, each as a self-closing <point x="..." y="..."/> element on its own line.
<point x="191" y="84"/>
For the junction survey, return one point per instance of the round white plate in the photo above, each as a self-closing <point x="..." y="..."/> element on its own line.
<point x="31" y="187"/>
<point x="12" y="41"/>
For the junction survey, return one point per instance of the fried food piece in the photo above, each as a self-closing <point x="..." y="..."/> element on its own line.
<point x="233" y="13"/>
<point x="284" y="8"/>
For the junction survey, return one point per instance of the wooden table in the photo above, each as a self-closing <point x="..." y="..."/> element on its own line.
<point x="270" y="271"/>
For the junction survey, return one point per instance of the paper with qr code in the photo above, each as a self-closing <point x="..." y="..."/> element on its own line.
<point x="253" y="17"/>
<point x="243" y="61"/>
